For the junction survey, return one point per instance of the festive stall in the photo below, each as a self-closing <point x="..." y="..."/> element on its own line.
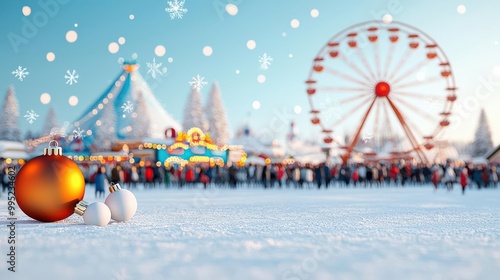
<point x="195" y="146"/>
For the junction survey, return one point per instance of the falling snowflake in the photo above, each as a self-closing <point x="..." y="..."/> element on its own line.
<point x="198" y="82"/>
<point x="330" y="109"/>
<point x="153" y="68"/>
<point x="128" y="107"/>
<point x="78" y="133"/>
<point x="71" y="77"/>
<point x="265" y="61"/>
<point x="31" y="116"/>
<point x="20" y="73"/>
<point x="366" y="137"/>
<point x="176" y="9"/>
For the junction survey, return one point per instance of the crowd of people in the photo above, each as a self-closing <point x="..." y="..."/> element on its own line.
<point x="378" y="174"/>
<point x="294" y="175"/>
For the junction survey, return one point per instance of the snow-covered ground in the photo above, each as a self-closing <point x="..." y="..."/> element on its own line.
<point x="397" y="233"/>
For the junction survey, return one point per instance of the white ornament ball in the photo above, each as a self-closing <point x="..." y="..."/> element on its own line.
<point x="122" y="204"/>
<point x="97" y="214"/>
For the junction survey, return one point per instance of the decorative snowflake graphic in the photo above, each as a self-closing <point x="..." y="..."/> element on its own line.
<point x="20" y="73"/>
<point x="127" y="107"/>
<point x="71" y="77"/>
<point x="265" y="61"/>
<point x="78" y="133"/>
<point x="153" y="68"/>
<point x="176" y="9"/>
<point x="198" y="83"/>
<point x="366" y="137"/>
<point x="330" y="109"/>
<point x="31" y="116"/>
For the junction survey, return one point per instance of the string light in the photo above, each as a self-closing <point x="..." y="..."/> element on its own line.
<point x="127" y="69"/>
<point x="175" y="160"/>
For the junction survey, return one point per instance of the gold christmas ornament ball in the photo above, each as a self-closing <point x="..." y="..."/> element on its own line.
<point x="48" y="187"/>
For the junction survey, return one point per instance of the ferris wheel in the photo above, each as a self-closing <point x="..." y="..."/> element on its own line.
<point x="374" y="83"/>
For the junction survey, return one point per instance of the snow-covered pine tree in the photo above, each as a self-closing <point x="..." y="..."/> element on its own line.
<point x="193" y="112"/>
<point x="50" y="122"/>
<point x="141" y="122"/>
<point x="218" y="124"/>
<point x="482" y="139"/>
<point x="9" y="126"/>
<point x="105" y="134"/>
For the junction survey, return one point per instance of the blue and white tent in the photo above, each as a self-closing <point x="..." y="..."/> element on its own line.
<point x="124" y="91"/>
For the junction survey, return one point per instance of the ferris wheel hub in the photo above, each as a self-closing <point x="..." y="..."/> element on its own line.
<point x="382" y="89"/>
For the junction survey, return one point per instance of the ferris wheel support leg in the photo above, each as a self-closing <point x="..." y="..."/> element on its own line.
<point x="409" y="134"/>
<point x="356" y="137"/>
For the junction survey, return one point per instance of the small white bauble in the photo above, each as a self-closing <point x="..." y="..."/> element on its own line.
<point x="122" y="203"/>
<point x="97" y="214"/>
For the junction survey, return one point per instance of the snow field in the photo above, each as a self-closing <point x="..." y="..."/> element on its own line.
<point x="391" y="233"/>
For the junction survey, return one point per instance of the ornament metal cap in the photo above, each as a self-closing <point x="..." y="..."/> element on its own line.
<point x="114" y="187"/>
<point x="81" y="207"/>
<point x="53" y="150"/>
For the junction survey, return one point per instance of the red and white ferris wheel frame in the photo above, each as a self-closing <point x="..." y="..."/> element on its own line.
<point x="381" y="89"/>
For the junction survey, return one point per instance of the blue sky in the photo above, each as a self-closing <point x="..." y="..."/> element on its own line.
<point x="470" y="40"/>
